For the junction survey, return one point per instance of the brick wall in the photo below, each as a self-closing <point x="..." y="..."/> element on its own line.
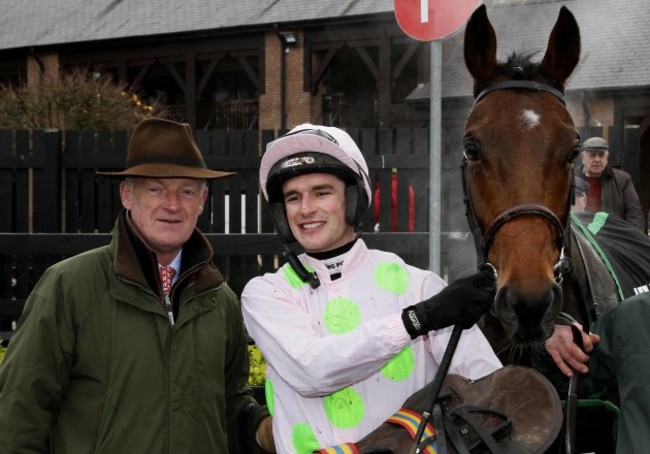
<point x="299" y="104"/>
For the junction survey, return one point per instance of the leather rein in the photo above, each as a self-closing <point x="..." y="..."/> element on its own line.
<point x="483" y="241"/>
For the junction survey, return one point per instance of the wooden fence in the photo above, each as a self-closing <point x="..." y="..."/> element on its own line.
<point x="55" y="206"/>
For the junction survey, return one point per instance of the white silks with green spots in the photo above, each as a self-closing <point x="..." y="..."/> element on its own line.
<point x="339" y="360"/>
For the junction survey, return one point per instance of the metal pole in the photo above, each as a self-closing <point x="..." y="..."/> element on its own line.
<point x="435" y="156"/>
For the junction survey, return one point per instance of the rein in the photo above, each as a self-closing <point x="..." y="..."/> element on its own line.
<point x="483" y="241"/>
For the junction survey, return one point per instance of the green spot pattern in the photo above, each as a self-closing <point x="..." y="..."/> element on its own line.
<point x="304" y="439"/>
<point x="400" y="366"/>
<point x="344" y="408"/>
<point x="269" y="396"/>
<point x="342" y="315"/>
<point x="392" y="277"/>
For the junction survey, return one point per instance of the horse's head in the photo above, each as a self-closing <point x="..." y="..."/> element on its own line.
<point x="519" y="146"/>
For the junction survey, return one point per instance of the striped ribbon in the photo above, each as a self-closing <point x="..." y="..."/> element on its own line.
<point x="410" y="420"/>
<point x="347" y="448"/>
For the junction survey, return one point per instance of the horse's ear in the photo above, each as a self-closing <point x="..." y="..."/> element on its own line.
<point x="480" y="46"/>
<point x="563" y="51"/>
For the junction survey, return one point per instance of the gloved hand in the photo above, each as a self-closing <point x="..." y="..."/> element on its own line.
<point x="462" y="302"/>
<point x="264" y="435"/>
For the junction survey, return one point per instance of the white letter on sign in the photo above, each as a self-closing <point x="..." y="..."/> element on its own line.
<point x="424" y="11"/>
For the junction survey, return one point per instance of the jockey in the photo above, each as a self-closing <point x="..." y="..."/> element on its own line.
<point x="348" y="333"/>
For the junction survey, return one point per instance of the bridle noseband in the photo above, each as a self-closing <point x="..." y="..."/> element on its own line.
<point x="484" y="241"/>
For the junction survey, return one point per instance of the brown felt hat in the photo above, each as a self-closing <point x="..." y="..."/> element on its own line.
<point x="164" y="149"/>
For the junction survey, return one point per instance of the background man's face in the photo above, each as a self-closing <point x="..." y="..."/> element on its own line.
<point x="594" y="162"/>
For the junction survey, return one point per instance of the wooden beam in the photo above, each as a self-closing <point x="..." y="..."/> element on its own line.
<point x="142" y="73"/>
<point x="177" y="77"/>
<point x="212" y="67"/>
<point x="365" y="56"/>
<point x="320" y="72"/>
<point x="406" y="56"/>
<point x="249" y="70"/>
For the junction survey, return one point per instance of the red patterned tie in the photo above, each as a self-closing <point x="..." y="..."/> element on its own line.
<point x="166" y="276"/>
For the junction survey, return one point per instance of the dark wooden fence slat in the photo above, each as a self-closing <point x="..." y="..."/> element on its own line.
<point x="88" y="203"/>
<point x="235" y="205"/>
<point x="71" y="181"/>
<point x="251" y="186"/>
<point x="218" y="190"/>
<point x="47" y="181"/>
<point x="403" y="202"/>
<point x="218" y="144"/>
<point x="104" y="198"/>
<point x="7" y="181"/>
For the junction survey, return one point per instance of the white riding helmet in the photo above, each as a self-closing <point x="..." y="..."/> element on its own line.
<point x="311" y="148"/>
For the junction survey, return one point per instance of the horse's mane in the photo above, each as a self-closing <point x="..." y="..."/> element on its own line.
<point x="519" y="66"/>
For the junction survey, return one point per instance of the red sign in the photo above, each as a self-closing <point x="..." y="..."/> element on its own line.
<point x="427" y="20"/>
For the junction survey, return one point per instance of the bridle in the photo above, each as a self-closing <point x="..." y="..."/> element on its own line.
<point x="483" y="241"/>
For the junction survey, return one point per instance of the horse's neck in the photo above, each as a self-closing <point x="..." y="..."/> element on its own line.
<point x="593" y="288"/>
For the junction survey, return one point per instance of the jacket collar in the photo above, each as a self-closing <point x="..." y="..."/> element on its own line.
<point x="136" y="262"/>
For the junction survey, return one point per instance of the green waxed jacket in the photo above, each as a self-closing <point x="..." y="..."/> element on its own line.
<point x="95" y="366"/>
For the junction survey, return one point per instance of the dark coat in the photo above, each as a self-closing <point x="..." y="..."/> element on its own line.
<point x="96" y="366"/>
<point x="618" y="196"/>
<point x="621" y="361"/>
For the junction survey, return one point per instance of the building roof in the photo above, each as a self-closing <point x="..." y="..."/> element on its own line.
<point x="49" y="22"/>
<point x="615" y="49"/>
<point x="615" y="46"/>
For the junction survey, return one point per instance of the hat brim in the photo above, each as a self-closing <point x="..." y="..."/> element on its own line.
<point x="155" y="170"/>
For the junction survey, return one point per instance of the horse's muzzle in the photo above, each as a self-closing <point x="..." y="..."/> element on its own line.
<point x="528" y="317"/>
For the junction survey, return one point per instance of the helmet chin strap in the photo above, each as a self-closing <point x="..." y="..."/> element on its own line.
<point x="300" y="269"/>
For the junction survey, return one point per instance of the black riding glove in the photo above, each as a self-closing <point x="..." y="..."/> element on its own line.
<point x="462" y="302"/>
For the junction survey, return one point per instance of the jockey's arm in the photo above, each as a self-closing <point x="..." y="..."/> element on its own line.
<point x="568" y="356"/>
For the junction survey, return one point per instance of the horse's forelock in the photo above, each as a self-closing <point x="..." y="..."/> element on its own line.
<point x="519" y="66"/>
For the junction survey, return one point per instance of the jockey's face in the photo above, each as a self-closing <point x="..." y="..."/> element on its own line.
<point x="315" y="206"/>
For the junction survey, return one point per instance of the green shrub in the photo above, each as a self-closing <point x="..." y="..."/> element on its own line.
<point x="77" y="100"/>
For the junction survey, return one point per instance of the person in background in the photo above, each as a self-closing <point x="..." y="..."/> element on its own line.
<point x="348" y="333"/>
<point x="138" y="346"/>
<point x="580" y="200"/>
<point x="610" y="189"/>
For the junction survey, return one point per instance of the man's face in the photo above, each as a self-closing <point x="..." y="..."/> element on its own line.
<point x="315" y="206"/>
<point x="164" y="211"/>
<point x="594" y="162"/>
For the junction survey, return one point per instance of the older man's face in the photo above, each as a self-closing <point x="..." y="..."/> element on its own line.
<point x="164" y="211"/>
<point x="594" y="162"/>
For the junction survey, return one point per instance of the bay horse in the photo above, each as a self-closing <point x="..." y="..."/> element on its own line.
<point x="520" y="144"/>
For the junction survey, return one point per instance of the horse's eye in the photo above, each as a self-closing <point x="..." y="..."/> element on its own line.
<point x="472" y="152"/>
<point x="574" y="153"/>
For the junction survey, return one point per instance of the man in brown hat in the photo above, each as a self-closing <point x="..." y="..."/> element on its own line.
<point x="610" y="190"/>
<point x="137" y="346"/>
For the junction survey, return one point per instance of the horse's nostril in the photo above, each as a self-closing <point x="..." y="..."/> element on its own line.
<point x="530" y="308"/>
